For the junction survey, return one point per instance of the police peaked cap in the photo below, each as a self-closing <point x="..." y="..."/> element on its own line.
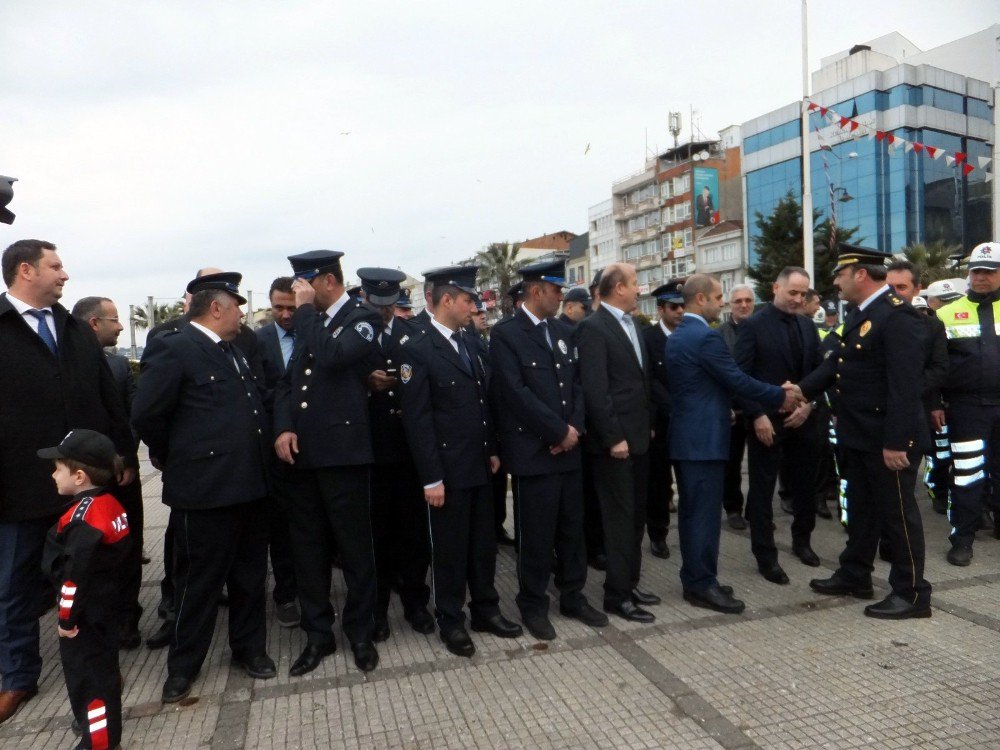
<point x="861" y="256"/>
<point x="462" y="277"/>
<point x="315" y="263"/>
<point x="226" y="281"/>
<point x="552" y="271"/>
<point x="381" y="285"/>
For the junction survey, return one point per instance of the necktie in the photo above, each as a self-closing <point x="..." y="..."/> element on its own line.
<point x="630" y="327"/>
<point x="224" y="345"/>
<point x="286" y="354"/>
<point x="462" y="352"/>
<point x="544" y="325"/>
<point x="44" y="332"/>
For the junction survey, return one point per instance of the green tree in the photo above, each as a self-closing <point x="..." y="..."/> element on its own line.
<point x="935" y="261"/>
<point x="498" y="266"/>
<point x="779" y="244"/>
<point x="160" y="312"/>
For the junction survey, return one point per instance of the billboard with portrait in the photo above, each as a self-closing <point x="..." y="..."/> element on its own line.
<point x="706" y="196"/>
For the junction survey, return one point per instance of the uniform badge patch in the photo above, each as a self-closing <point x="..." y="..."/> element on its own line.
<point x="365" y="330"/>
<point x="403" y="339"/>
<point x="866" y="327"/>
<point x="563" y="348"/>
<point x="961" y="316"/>
<point x="337" y="331"/>
<point x="405" y="373"/>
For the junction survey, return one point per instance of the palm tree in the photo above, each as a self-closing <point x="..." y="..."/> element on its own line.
<point x="498" y="270"/>
<point x="160" y="313"/>
<point x="935" y="261"/>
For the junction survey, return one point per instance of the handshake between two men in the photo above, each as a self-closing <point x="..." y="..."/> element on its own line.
<point x="796" y="407"/>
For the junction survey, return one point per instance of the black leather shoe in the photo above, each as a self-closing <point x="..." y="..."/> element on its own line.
<point x="310" y="658"/>
<point x="176" y="689"/>
<point x="365" y="656"/>
<point x="822" y="510"/>
<point x="895" y="607"/>
<point x="727" y="590"/>
<point x="539" y="626"/>
<point x="499" y="626"/>
<point x="638" y="596"/>
<point x="598" y="561"/>
<point x="716" y="599"/>
<point x="837" y="586"/>
<point x="420" y="620"/>
<point x="736" y="521"/>
<point x="504" y="538"/>
<point x="629" y="611"/>
<point x="659" y="549"/>
<point x="587" y="615"/>
<point x="960" y="554"/>
<point x="381" y="632"/>
<point x="773" y="573"/>
<point x="806" y="555"/>
<point x="161" y="637"/>
<point x="260" y="667"/>
<point x="458" y="642"/>
<point x="287" y="614"/>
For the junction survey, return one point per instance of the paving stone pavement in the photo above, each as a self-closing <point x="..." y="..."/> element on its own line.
<point x="796" y="670"/>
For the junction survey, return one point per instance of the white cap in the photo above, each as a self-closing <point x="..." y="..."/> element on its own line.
<point x="919" y="302"/>
<point x="819" y="317"/>
<point x="947" y="289"/>
<point x="986" y="255"/>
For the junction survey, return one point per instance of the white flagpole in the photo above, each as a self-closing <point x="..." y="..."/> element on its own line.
<point x="807" y="201"/>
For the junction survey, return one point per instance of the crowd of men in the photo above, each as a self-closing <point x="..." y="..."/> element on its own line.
<point x="349" y="433"/>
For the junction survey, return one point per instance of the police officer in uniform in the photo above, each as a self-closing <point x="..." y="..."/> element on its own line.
<point x="322" y="427"/>
<point x="670" y="311"/>
<point x="450" y="432"/>
<point x="403" y="307"/>
<point x="540" y="418"/>
<point x="199" y="409"/>
<point x="399" y="518"/>
<point x="972" y="392"/>
<point x="881" y="432"/>
<point x="576" y="306"/>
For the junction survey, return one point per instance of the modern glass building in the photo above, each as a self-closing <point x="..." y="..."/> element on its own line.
<point x="895" y="198"/>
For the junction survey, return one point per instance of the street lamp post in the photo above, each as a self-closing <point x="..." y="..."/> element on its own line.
<point x="837" y="195"/>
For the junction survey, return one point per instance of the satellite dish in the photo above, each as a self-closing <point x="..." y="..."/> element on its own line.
<point x="703" y="154"/>
<point x="696" y="157"/>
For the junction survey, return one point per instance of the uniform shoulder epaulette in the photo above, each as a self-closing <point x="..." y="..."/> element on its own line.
<point x="894" y="300"/>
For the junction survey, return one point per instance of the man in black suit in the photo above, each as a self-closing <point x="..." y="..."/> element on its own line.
<point x="55" y="378"/>
<point x="778" y="345"/>
<point x="101" y="315"/>
<point x="399" y="514"/>
<point x="615" y="373"/>
<point x="881" y="432"/>
<point x="199" y="409"/>
<point x="450" y="432"/>
<point x="741" y="304"/>
<point x="322" y="428"/>
<point x="540" y="417"/>
<point x="670" y="311"/>
<point x="275" y="344"/>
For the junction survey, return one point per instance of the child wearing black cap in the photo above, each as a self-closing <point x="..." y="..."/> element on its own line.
<point x="83" y="557"/>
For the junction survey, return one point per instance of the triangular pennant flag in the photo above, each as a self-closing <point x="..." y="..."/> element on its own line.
<point x="918" y="147"/>
<point x="960" y="156"/>
<point x="880" y="135"/>
<point x="813" y="106"/>
<point x="950" y="159"/>
<point x="891" y="137"/>
<point x="843" y="121"/>
<point x="983" y="161"/>
<point x="908" y="147"/>
<point x="966" y="168"/>
<point x="871" y="133"/>
<point x="823" y="111"/>
<point x="938" y="152"/>
<point x="932" y="151"/>
<point x="854" y="125"/>
<point x="989" y="177"/>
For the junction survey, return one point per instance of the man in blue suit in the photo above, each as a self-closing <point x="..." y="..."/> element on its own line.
<point x="703" y="380"/>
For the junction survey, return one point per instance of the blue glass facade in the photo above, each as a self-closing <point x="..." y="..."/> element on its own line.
<point x="897" y="198"/>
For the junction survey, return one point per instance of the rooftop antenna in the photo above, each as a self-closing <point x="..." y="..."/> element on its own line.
<point x="674" y="125"/>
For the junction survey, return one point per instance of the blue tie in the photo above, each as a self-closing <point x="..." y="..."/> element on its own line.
<point x="44" y="332"/>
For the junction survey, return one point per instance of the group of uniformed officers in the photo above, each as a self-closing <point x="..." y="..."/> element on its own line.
<point x="350" y="434"/>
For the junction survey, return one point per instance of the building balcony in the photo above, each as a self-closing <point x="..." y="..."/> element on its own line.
<point x="649" y="261"/>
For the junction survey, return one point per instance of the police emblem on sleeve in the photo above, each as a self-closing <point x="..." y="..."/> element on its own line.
<point x="365" y="330"/>
<point x="405" y="373"/>
<point x="563" y="348"/>
<point x="337" y="332"/>
<point x="866" y="327"/>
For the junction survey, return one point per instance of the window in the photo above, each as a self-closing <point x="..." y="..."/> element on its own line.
<point x="682" y="184"/>
<point x="682" y="211"/>
<point x="688" y="237"/>
<point x="665" y="189"/>
<point x="679" y="267"/>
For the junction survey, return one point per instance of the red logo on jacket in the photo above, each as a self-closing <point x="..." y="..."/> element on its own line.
<point x="961" y="316"/>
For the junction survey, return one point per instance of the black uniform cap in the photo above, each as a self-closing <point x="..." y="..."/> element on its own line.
<point x="516" y="291"/>
<point x="404" y="299"/>
<point x="597" y="279"/>
<point x="578" y="294"/>
<point x="830" y="306"/>
<point x="227" y="281"/>
<point x="552" y="271"/>
<point x="856" y="255"/>
<point x="86" y="446"/>
<point x="315" y="263"/>
<point x="463" y="277"/>
<point x="669" y="292"/>
<point x="381" y="285"/>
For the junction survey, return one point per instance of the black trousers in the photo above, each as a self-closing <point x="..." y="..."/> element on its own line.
<point x="622" y="485"/>
<point x="216" y="547"/>
<point x="284" y="489"/>
<point x="974" y="433"/>
<point x="732" y="498"/>
<point x="463" y="552"/>
<point x="498" y="487"/>
<point x="93" y="681"/>
<point x="880" y="503"/>
<point x="166" y="607"/>
<point x="827" y="481"/>
<point x="130" y="497"/>
<point x="661" y="490"/>
<point x="550" y="516"/>
<point x="593" y="531"/>
<point x="795" y="451"/>
<point x="399" y="526"/>
<point x="333" y="507"/>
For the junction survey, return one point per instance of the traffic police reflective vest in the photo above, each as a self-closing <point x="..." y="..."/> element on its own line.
<point x="973" y="330"/>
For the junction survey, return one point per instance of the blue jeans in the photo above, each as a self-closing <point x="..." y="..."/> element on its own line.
<point x="22" y="588"/>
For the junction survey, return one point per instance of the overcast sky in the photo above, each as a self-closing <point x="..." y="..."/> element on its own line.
<point x="153" y="138"/>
